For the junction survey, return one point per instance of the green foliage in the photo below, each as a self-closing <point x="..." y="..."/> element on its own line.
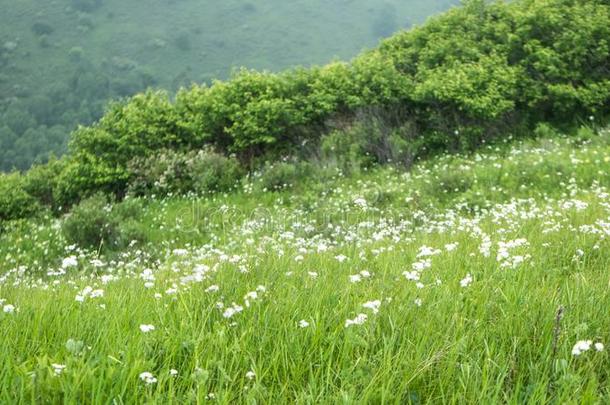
<point x="168" y="172"/>
<point x="41" y="182"/>
<point x="101" y="153"/>
<point x="470" y="76"/>
<point x="97" y="224"/>
<point x="375" y="137"/>
<point x="15" y="202"/>
<point x="282" y="175"/>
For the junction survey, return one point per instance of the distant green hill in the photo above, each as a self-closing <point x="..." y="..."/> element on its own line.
<point x="62" y="60"/>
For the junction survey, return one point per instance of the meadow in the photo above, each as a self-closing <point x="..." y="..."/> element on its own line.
<point x="471" y="278"/>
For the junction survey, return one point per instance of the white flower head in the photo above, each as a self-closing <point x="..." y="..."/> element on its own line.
<point x="303" y="323"/>
<point x="581" y="346"/>
<point x="148" y="378"/>
<point x="341" y="258"/>
<point x="147" y="328"/>
<point x="372" y="305"/>
<point x="466" y="281"/>
<point x="58" y="368"/>
<point x="68" y="262"/>
<point x="358" y="320"/>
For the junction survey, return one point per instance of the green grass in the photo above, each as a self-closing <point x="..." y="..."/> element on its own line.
<point x="498" y="339"/>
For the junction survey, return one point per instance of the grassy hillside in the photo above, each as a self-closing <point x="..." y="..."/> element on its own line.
<point x="61" y="61"/>
<point x="475" y="278"/>
<point x="512" y="70"/>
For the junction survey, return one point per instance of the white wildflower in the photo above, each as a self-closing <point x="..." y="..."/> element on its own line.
<point x="358" y="320"/>
<point x="147" y="328"/>
<point x="465" y="282"/>
<point x="148" y="378"/>
<point x="58" y="368"/>
<point x="581" y="346"/>
<point x="372" y="305"/>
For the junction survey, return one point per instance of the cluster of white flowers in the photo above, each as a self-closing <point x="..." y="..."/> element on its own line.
<point x="145" y="328"/>
<point x="582" y="346"/>
<point x="88" y="292"/>
<point x="232" y="310"/>
<point x="358" y="320"/>
<point x="466" y="281"/>
<point x="372" y="305"/>
<point x="58" y="368"/>
<point x="356" y="278"/>
<point x="504" y="256"/>
<point x="70" y="261"/>
<point x="148" y="378"/>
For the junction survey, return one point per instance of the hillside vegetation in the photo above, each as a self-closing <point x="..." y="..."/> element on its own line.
<point x="473" y="75"/>
<point x="62" y="60"/>
<point x="427" y="223"/>
<point x="475" y="278"/>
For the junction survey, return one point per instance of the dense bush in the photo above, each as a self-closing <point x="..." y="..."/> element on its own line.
<point x="41" y="182"/>
<point x="282" y="175"/>
<point x="374" y="137"/>
<point x="97" y="224"/>
<point x="15" y="202"/>
<point x="169" y="172"/>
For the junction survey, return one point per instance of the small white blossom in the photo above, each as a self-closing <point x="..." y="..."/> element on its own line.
<point x="358" y="320"/>
<point x="69" y="261"/>
<point x="58" y="368"/>
<point x="147" y="328"/>
<point x="212" y="288"/>
<point x="581" y="346"/>
<point x="372" y="305"/>
<point x="148" y="378"/>
<point x="341" y="258"/>
<point x="465" y="282"/>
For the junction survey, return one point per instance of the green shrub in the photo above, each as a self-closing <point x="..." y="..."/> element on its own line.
<point x="95" y="223"/>
<point x="15" y="202"/>
<point x="282" y="175"/>
<point x="374" y="137"/>
<point x="41" y="182"/>
<point x="213" y="172"/>
<point x="171" y="172"/>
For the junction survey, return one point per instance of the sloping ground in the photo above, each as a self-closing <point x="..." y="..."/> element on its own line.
<point x="472" y="279"/>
